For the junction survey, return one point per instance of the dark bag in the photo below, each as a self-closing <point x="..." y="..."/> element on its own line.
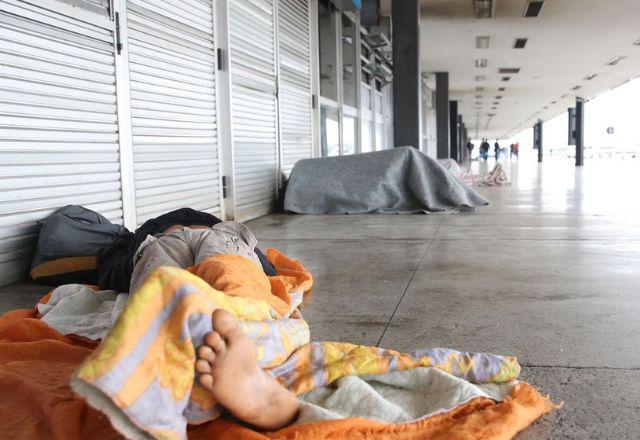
<point x="68" y="244"/>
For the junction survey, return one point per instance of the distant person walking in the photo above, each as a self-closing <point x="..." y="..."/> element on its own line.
<point x="496" y="150"/>
<point x="484" y="149"/>
<point x="470" y="147"/>
<point x="515" y="149"/>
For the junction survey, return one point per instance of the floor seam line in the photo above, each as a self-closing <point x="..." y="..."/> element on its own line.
<point x="569" y="367"/>
<point x="424" y="255"/>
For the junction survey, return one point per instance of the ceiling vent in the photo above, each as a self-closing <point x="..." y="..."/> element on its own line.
<point x="481" y="62"/>
<point x="533" y="8"/>
<point x="637" y="42"/>
<point x="479" y="89"/>
<point x="554" y="102"/>
<point x="575" y="87"/>
<point x="519" y="43"/>
<point x="501" y="89"/>
<point x="478" y="96"/>
<point x="483" y="8"/>
<point x="498" y="97"/>
<point x="509" y="70"/>
<point x="480" y="78"/>
<point x="590" y="76"/>
<point x="506" y="78"/>
<point x="482" y="42"/>
<point x="615" y="60"/>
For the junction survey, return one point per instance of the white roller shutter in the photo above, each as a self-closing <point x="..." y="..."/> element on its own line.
<point x="173" y="106"/>
<point x="295" y="82"/>
<point x="58" y="119"/>
<point x="254" y="106"/>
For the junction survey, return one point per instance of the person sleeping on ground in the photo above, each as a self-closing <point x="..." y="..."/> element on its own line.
<point x="228" y="367"/>
<point x="115" y="263"/>
<point x="186" y="246"/>
<point x="228" y="361"/>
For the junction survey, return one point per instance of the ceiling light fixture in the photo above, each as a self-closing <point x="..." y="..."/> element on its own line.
<point x="498" y="96"/>
<point x="483" y="8"/>
<point x="519" y="43"/>
<point x="480" y="78"/>
<point x="590" y="76"/>
<point x="637" y="42"/>
<point x="506" y="78"/>
<point x="533" y="8"/>
<point x="575" y="87"/>
<point x="481" y="62"/>
<point x="482" y="42"/>
<point x="615" y="60"/>
<point x="509" y="70"/>
<point x="479" y="89"/>
<point x="501" y="89"/>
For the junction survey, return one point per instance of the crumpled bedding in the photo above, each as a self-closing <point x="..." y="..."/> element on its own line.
<point x="497" y="177"/>
<point x="455" y="169"/>
<point x="142" y="377"/>
<point x="80" y="310"/>
<point x="399" y="180"/>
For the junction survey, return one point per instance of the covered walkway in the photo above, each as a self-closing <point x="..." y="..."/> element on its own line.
<point x="547" y="272"/>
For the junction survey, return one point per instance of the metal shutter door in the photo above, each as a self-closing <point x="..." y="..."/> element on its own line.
<point x="253" y="103"/>
<point x="58" y="121"/>
<point x="295" y="82"/>
<point x="173" y="106"/>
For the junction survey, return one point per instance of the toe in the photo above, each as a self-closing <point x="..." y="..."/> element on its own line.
<point x="215" y="341"/>
<point x="206" y="352"/>
<point x="226" y="324"/>
<point x="206" y="380"/>
<point x="203" y="366"/>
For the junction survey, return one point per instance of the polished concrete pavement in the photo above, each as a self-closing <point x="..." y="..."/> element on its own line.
<point x="549" y="272"/>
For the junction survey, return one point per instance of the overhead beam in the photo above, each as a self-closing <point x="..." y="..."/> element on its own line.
<point x="406" y="73"/>
<point x="442" y="113"/>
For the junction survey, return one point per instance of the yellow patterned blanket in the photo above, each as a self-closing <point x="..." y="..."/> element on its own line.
<point x="142" y="374"/>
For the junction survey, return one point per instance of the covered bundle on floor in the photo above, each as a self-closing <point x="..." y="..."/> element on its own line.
<point x="399" y="180"/>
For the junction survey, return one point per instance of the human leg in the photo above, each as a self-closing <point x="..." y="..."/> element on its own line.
<point x="228" y="367"/>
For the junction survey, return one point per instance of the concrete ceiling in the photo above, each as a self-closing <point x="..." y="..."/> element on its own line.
<point x="569" y="40"/>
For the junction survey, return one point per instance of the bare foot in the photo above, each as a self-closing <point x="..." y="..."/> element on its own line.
<point x="228" y="367"/>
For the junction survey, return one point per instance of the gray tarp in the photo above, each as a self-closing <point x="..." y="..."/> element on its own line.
<point x="400" y="180"/>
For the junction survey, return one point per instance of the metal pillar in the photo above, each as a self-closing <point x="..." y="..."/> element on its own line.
<point x="579" y="133"/>
<point x="442" y="112"/>
<point x="453" y="129"/>
<point x="406" y="73"/>
<point x="461" y="142"/>
<point x="537" y="139"/>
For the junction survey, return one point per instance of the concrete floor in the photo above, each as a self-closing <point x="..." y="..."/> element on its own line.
<point x="548" y="272"/>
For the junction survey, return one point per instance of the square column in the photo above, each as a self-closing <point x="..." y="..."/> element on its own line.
<point x="579" y="133"/>
<point x="405" y="15"/>
<point x="442" y="114"/>
<point x="453" y="129"/>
